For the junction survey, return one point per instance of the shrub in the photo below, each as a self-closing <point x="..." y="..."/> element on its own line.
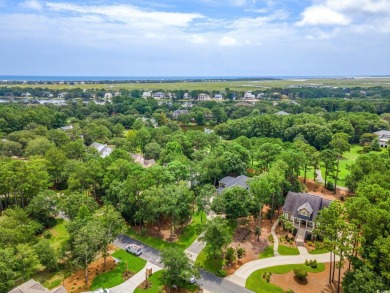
<point x="301" y="273"/>
<point x="230" y="255"/>
<point x="289" y="291"/>
<point x="222" y="273"/>
<point x="47" y="235"/>
<point x="241" y="252"/>
<point x="329" y="186"/>
<point x="267" y="276"/>
<point x="271" y="239"/>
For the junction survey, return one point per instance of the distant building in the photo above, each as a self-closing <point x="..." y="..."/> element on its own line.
<point x="62" y="95"/>
<point x="159" y="95"/>
<point x="67" y="127"/>
<point x="204" y="97"/>
<point x="177" y="113"/>
<point x="26" y="94"/>
<point x="282" y="113"/>
<point x="187" y="105"/>
<point x="147" y="94"/>
<point x="108" y="96"/>
<point x="117" y="94"/>
<point x="384" y="138"/>
<point x="218" y="97"/>
<point x="260" y="96"/>
<point x="229" y="181"/>
<point x="249" y="96"/>
<point x="33" y="286"/>
<point x="138" y="158"/>
<point x="103" y="149"/>
<point x="187" y="96"/>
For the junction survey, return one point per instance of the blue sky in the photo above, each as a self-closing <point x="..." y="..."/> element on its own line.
<point x="195" y="37"/>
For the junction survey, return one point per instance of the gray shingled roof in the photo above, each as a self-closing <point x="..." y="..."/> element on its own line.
<point x="295" y="200"/>
<point x="32" y="286"/>
<point x="383" y="133"/>
<point x="233" y="181"/>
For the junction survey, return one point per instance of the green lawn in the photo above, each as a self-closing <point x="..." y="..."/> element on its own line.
<point x="267" y="252"/>
<point x="348" y="159"/>
<point x="156" y="281"/>
<point x="210" y="263"/>
<point x="256" y="283"/>
<point x="114" y="277"/>
<point x="319" y="251"/>
<point x="185" y="239"/>
<point x="59" y="235"/>
<point x="284" y="250"/>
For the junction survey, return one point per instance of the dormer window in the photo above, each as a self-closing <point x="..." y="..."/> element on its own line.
<point x="305" y="210"/>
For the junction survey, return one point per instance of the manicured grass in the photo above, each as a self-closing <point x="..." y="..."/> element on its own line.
<point x="348" y="159"/>
<point x="319" y="251"/>
<point x="267" y="252"/>
<point x="114" y="277"/>
<point x="185" y="239"/>
<point x="284" y="250"/>
<point x="156" y="281"/>
<point x="59" y="235"/>
<point x="257" y="283"/>
<point x="209" y="263"/>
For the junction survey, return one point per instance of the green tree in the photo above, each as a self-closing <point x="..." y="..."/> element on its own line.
<point x="216" y="235"/>
<point x="235" y="202"/>
<point x="42" y="208"/>
<point x="70" y="204"/>
<point x="87" y="244"/>
<point x="178" y="267"/>
<point x="340" y="145"/>
<point x="46" y="255"/>
<point x="112" y="225"/>
<point x="203" y="199"/>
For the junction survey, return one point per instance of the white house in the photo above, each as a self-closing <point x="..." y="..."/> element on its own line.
<point x="249" y="96"/>
<point x="204" y="97"/>
<point x="147" y="94"/>
<point x="159" y="95"/>
<point x="218" y="97"/>
<point x="384" y="138"/>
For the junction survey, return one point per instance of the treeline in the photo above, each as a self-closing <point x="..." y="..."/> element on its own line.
<point x="317" y="130"/>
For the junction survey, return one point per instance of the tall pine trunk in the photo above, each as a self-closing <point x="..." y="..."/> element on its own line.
<point x="337" y="175"/>
<point x="330" y="268"/>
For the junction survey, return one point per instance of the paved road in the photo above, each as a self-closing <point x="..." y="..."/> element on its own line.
<point x="148" y="253"/>
<point x="208" y="281"/>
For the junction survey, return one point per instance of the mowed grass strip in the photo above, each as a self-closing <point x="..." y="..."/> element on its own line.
<point x="115" y="277"/>
<point x="267" y="252"/>
<point x="59" y="234"/>
<point x="258" y="284"/>
<point x="285" y="250"/>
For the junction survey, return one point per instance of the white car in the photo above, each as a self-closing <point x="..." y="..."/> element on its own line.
<point x="134" y="249"/>
<point x="101" y="290"/>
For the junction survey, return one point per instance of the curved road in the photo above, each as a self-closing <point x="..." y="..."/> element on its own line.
<point x="207" y="281"/>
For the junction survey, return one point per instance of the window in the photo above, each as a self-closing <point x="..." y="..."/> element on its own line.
<point x="304" y="212"/>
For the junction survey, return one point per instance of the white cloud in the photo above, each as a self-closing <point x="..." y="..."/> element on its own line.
<point x="130" y="14"/>
<point x="227" y="41"/>
<point x="32" y="4"/>
<point x="359" y="15"/>
<point x="322" y="15"/>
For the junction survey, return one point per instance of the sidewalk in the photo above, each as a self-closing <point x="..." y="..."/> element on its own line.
<point x="131" y="284"/>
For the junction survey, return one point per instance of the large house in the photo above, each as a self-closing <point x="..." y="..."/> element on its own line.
<point x="103" y="149"/>
<point x="229" y="181"/>
<point x="384" y="138"/>
<point x="33" y="286"/>
<point x="204" y="97"/>
<point x="302" y="209"/>
<point x="138" y="158"/>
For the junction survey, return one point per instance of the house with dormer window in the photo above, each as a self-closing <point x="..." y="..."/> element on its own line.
<point x="302" y="209"/>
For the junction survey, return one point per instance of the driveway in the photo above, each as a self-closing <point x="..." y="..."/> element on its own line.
<point x="208" y="281"/>
<point x="239" y="277"/>
<point x="148" y="253"/>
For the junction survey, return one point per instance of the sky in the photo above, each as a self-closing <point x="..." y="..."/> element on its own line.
<point x="195" y="37"/>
